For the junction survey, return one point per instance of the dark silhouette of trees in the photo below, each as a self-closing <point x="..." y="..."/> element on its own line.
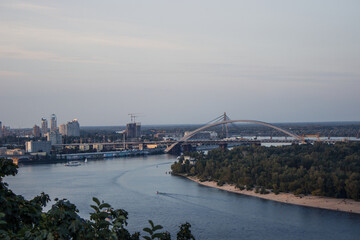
<point x="320" y="169"/>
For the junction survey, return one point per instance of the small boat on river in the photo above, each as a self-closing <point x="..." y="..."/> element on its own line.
<point x="72" y="164"/>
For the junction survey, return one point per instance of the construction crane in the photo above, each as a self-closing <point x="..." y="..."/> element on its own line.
<point x="133" y="116"/>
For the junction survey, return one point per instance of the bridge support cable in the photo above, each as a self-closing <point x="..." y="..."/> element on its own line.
<point x="231" y="124"/>
<point x="219" y="118"/>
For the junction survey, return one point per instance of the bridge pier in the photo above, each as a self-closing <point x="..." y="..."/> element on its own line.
<point x="176" y="150"/>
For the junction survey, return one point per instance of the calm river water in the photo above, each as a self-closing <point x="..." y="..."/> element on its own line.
<point x="131" y="184"/>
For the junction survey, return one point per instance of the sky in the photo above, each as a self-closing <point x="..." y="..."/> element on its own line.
<point x="174" y="62"/>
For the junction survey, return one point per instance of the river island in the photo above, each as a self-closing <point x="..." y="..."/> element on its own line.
<point x="320" y="175"/>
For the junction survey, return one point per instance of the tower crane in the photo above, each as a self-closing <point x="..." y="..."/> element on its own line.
<point x="133" y="116"/>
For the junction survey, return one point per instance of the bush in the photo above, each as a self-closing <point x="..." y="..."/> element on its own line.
<point x="240" y="186"/>
<point x="249" y="187"/>
<point x="263" y="190"/>
<point x="220" y="183"/>
<point x="276" y="191"/>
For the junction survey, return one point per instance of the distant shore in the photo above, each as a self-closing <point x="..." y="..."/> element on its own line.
<point x="337" y="204"/>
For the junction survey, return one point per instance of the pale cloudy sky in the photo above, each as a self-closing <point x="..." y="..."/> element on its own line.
<point x="179" y="61"/>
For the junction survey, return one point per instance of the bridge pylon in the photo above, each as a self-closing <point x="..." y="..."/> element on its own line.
<point x="225" y="129"/>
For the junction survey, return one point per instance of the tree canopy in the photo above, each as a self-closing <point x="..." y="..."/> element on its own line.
<point x="321" y="169"/>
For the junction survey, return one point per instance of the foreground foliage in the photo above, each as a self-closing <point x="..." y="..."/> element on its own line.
<point x="320" y="169"/>
<point x="23" y="219"/>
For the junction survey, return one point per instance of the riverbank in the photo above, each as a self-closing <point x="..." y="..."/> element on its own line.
<point x="337" y="204"/>
<point x="63" y="158"/>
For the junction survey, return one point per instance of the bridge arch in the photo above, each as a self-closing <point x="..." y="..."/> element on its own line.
<point x="191" y="134"/>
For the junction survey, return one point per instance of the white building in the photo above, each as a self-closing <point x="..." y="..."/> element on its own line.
<point x="54" y="137"/>
<point x="62" y="129"/>
<point x="98" y="147"/>
<point x="38" y="146"/>
<point x="16" y="151"/>
<point x="84" y="147"/>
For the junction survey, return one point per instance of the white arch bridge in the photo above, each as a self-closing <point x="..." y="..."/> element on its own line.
<point x="191" y="134"/>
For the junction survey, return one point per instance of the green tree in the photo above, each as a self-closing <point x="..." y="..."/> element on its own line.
<point x="185" y="232"/>
<point x="321" y="169"/>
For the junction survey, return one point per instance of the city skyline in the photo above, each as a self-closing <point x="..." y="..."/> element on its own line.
<point x="179" y="62"/>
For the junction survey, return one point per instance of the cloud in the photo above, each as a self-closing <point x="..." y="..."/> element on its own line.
<point x="15" y="52"/>
<point x="10" y="74"/>
<point x="21" y="32"/>
<point x="18" y="53"/>
<point x="30" y="7"/>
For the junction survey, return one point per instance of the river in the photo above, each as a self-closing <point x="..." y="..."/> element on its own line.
<point x="131" y="184"/>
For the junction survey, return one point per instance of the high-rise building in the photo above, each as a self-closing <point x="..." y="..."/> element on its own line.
<point x="0" y="129"/>
<point x="44" y="126"/>
<point x="53" y="123"/>
<point x="133" y="130"/>
<point x="5" y="131"/>
<point x="36" y="131"/>
<point x="54" y="137"/>
<point x="73" y="128"/>
<point x="62" y="129"/>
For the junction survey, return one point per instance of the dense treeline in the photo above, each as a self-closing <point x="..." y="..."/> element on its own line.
<point x="319" y="169"/>
<point x="322" y="129"/>
<point x="25" y="219"/>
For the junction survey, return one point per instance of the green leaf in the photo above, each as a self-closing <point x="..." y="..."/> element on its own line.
<point x="157" y="235"/>
<point x="157" y="227"/>
<point x="103" y="215"/>
<point x="148" y="230"/>
<point x="151" y="223"/>
<point x="104" y="205"/>
<point x="146" y="237"/>
<point x="96" y="200"/>
<point x="94" y="207"/>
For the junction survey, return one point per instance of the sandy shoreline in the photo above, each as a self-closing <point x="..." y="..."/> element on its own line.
<point x="337" y="204"/>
